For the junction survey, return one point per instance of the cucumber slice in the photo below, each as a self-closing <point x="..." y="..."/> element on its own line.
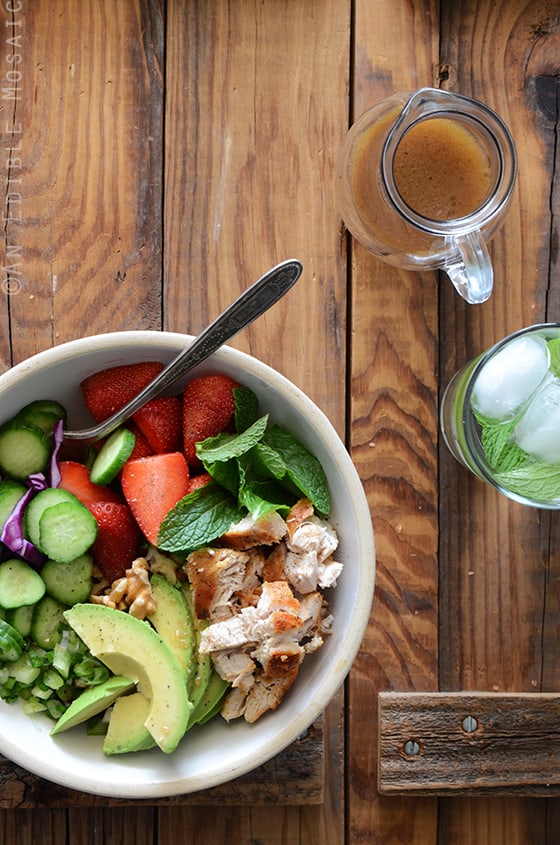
<point x="66" y="531"/>
<point x="24" y="449"/>
<point x="45" y="626"/>
<point x="11" y="642"/>
<point x="112" y="456"/>
<point x="20" y="618"/>
<point x="10" y="494"/>
<point x="20" y="584"/>
<point x="44" y="413"/>
<point x="71" y="582"/>
<point x="38" y="505"/>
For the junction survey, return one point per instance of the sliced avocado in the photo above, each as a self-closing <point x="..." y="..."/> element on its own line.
<point x="127" y="731"/>
<point x="202" y="664"/>
<point x="131" y="647"/>
<point x="211" y="700"/>
<point x="173" y="622"/>
<point x="92" y="701"/>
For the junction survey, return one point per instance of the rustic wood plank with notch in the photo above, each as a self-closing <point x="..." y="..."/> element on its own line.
<point x="469" y="743"/>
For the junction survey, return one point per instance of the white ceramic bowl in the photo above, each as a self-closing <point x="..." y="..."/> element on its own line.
<point x="217" y="752"/>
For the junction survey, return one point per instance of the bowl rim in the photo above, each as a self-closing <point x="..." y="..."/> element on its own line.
<point x="168" y="341"/>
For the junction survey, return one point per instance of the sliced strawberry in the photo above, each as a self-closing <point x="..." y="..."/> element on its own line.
<point x="109" y="390"/>
<point x="200" y="480"/>
<point x="141" y="446"/>
<point x="118" y="538"/>
<point x="208" y="408"/>
<point x="160" y="421"/>
<point x="152" y="486"/>
<point x="74" y="477"/>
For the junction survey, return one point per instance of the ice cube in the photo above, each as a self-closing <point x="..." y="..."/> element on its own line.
<point x="538" y="430"/>
<point x="508" y="379"/>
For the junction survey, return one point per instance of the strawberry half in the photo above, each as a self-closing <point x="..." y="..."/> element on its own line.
<point x="200" y="480"/>
<point x="74" y="477"/>
<point x="160" y="421"/>
<point x="152" y="486"/>
<point x="208" y="407"/>
<point x="118" y="538"/>
<point x="109" y="390"/>
<point x="141" y="446"/>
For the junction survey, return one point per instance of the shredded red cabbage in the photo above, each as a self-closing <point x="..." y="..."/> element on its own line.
<point x="12" y="532"/>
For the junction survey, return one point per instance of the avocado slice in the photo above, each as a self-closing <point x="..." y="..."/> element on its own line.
<point x="92" y="701"/>
<point x="173" y="622"/>
<point x="210" y="701"/>
<point x="127" y="731"/>
<point x="131" y="647"/>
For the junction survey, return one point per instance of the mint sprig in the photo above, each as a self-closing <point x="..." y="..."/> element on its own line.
<point x="257" y="470"/>
<point x="198" y="519"/>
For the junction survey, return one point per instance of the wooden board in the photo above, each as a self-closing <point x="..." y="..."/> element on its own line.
<point x="469" y="744"/>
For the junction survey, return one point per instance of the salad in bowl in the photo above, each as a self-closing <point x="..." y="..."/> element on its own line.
<point x="181" y="599"/>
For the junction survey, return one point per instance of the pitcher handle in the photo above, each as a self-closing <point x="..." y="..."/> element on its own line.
<point x="470" y="267"/>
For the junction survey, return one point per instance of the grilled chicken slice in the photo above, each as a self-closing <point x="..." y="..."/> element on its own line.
<point x="266" y="531"/>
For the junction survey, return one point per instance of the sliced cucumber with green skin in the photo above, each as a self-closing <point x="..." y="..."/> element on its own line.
<point x="66" y="531"/>
<point x="69" y="582"/>
<point x="21" y="618"/>
<point x="44" y="413"/>
<point x="20" y="584"/>
<point x="11" y="642"/>
<point x="24" y="449"/>
<point x="112" y="456"/>
<point x="38" y="505"/>
<point x="10" y="494"/>
<point x="45" y="626"/>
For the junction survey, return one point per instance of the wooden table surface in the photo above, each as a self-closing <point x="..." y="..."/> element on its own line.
<point x="157" y="156"/>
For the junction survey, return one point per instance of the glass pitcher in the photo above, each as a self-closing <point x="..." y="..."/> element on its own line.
<point x="424" y="180"/>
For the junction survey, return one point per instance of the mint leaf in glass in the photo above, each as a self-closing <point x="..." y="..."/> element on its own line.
<point x="554" y="352"/>
<point x="303" y="469"/>
<point x="198" y="519"/>
<point x="538" y="481"/>
<point x="502" y="453"/>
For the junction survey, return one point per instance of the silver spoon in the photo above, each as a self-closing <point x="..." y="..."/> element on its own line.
<point x="253" y="302"/>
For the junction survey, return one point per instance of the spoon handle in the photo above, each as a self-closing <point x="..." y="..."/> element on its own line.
<point x="253" y="302"/>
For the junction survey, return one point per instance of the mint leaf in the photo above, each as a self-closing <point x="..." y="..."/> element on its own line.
<point x="198" y="519"/>
<point x="225" y="473"/>
<point x="500" y="449"/>
<point x="246" y="408"/>
<point x="554" y="350"/>
<point x="222" y="447"/>
<point x="266" y="462"/>
<point x="303" y="469"/>
<point x="262" y="497"/>
<point x="534" y="480"/>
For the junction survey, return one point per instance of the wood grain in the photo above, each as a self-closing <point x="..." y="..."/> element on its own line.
<point x="499" y="564"/>
<point x="469" y="744"/>
<point x="394" y="445"/>
<point x="85" y="213"/>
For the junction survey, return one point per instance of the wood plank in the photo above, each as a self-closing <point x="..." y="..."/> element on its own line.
<point x="257" y="102"/>
<point x="469" y="743"/>
<point x="497" y="565"/>
<point x="84" y="129"/>
<point x="394" y="445"/>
